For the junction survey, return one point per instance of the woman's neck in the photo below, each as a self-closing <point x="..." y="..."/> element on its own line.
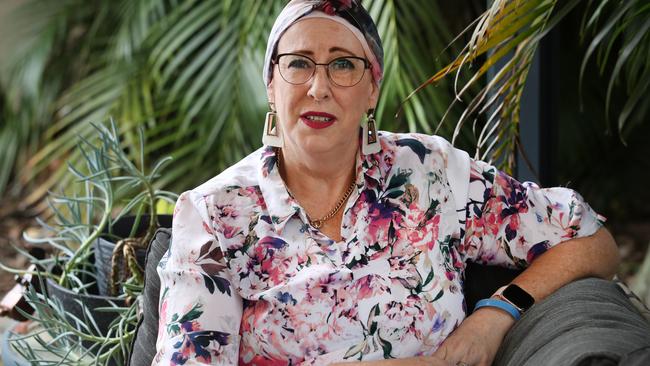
<point x="328" y="175"/>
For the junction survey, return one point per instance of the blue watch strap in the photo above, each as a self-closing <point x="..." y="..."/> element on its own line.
<point x="496" y="303"/>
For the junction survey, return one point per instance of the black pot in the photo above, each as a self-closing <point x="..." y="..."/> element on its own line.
<point x="74" y="304"/>
<point x="104" y="246"/>
<point x="71" y="302"/>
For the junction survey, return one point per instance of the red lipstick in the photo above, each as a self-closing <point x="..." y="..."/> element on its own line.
<point x="317" y="120"/>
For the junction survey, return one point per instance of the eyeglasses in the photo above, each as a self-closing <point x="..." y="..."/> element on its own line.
<point x="342" y="71"/>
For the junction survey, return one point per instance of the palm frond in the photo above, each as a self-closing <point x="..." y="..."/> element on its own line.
<point x="190" y="72"/>
<point x="414" y="36"/>
<point x="504" y="39"/>
<point x="626" y="24"/>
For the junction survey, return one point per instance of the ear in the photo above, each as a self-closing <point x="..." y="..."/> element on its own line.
<point x="270" y="94"/>
<point x="374" y="96"/>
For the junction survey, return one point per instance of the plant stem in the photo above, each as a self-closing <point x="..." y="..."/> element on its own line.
<point x="152" y="214"/>
<point x="23" y="272"/>
<point x="86" y="244"/>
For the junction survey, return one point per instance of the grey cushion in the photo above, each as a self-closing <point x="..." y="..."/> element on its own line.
<point x="589" y="322"/>
<point x="638" y="357"/>
<point x="143" y="347"/>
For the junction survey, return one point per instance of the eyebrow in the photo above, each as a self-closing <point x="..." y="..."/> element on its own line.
<point x="332" y="50"/>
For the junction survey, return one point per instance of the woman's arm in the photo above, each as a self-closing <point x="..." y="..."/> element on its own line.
<point x="552" y="232"/>
<point x="411" y="361"/>
<point x="477" y="340"/>
<point x="591" y="256"/>
<point x="199" y="311"/>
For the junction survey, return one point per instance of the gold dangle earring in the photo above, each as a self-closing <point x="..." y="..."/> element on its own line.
<point x="370" y="141"/>
<point x="271" y="135"/>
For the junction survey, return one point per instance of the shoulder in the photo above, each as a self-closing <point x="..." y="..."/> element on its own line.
<point x="428" y="149"/>
<point x="433" y="157"/>
<point x="238" y="185"/>
<point x="243" y="173"/>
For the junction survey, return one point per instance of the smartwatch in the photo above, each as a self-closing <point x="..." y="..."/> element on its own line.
<point x="516" y="296"/>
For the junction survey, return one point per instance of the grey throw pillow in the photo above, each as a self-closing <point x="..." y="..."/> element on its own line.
<point x="143" y="347"/>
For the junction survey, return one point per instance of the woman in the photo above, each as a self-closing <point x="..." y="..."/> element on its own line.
<point x="326" y="247"/>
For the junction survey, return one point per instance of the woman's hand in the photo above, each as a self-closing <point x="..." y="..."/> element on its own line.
<point x="475" y="342"/>
<point x="412" y="361"/>
<point x="478" y="338"/>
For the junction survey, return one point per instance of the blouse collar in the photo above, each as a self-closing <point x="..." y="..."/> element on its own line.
<point x="282" y="206"/>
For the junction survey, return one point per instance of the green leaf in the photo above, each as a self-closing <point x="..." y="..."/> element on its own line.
<point x="398" y="180"/>
<point x="429" y="278"/>
<point x="395" y="194"/>
<point x="438" y="296"/>
<point x="387" y="347"/>
<point x="194" y="313"/>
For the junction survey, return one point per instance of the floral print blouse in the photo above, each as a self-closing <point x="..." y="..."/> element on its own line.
<point x="248" y="281"/>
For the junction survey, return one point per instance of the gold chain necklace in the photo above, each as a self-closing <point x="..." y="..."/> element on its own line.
<point x="317" y="223"/>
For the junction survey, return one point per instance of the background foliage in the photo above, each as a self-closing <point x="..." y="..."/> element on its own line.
<point x="189" y="72"/>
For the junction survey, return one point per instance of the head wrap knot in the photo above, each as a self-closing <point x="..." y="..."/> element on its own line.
<point x="331" y="7"/>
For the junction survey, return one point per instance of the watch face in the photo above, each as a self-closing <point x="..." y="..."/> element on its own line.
<point x="518" y="297"/>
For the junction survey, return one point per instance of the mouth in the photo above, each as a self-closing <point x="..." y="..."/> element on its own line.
<point x="317" y="120"/>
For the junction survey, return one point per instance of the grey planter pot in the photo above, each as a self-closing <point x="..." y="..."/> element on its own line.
<point x="72" y="301"/>
<point x="72" y="304"/>
<point x="103" y="248"/>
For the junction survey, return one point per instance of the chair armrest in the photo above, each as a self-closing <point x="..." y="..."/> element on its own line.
<point x="585" y="323"/>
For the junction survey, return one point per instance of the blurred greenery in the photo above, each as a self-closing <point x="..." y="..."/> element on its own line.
<point x="608" y="165"/>
<point x="504" y="41"/>
<point x="188" y="71"/>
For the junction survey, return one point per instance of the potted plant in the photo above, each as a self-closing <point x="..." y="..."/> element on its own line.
<point x="85" y="313"/>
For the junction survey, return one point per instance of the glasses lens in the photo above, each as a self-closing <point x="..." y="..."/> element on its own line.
<point x="346" y="71"/>
<point x="295" y="69"/>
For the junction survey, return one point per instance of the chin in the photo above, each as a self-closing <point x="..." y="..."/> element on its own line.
<point x="316" y="145"/>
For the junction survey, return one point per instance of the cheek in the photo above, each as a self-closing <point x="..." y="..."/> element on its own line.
<point x="285" y="94"/>
<point x="286" y="100"/>
<point x="362" y="94"/>
<point x="356" y="104"/>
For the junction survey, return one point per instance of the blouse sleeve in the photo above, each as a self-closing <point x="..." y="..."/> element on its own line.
<point x="199" y="310"/>
<point x="509" y="223"/>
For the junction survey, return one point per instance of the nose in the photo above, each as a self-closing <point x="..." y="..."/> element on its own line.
<point x="320" y="88"/>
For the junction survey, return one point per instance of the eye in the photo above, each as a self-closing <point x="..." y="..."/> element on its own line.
<point x="298" y="63"/>
<point x="342" y="64"/>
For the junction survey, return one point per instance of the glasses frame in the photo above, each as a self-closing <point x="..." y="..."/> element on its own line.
<point x="366" y="66"/>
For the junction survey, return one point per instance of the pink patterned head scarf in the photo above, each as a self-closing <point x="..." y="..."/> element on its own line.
<point x="349" y="13"/>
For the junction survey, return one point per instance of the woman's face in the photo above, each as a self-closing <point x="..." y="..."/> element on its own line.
<point x="322" y="40"/>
